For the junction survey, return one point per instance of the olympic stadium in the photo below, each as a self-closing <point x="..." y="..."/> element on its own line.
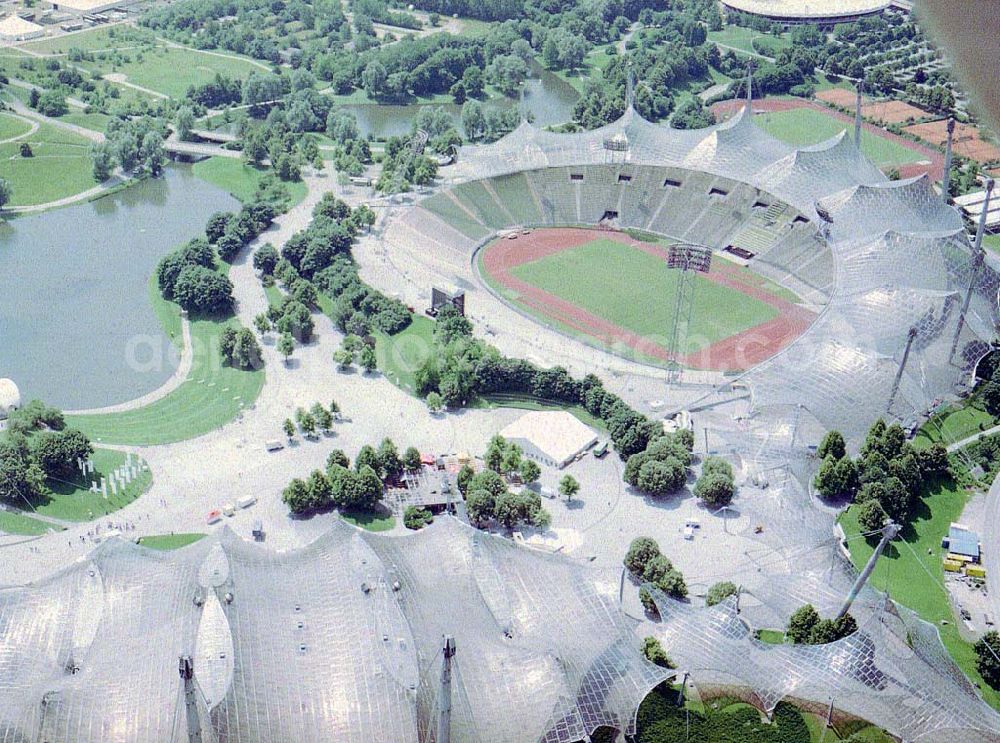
<point x="344" y="639"/>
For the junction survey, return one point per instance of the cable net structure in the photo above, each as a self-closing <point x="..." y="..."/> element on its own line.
<point x="335" y="641"/>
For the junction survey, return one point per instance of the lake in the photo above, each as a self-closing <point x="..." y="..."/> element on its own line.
<point x="76" y="326"/>
<point x="549" y="99"/>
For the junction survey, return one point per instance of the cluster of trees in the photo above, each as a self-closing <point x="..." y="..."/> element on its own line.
<point x="318" y="417"/>
<point x="402" y="168"/>
<point x="886" y="480"/>
<point x="134" y="145"/>
<point x="416" y="518"/>
<point x="49" y="102"/>
<point x="352" y="151"/>
<point x="719" y="592"/>
<point x="646" y="564"/>
<point x="487" y="124"/>
<point x="230" y="232"/>
<point x="987" y="650"/>
<point x="188" y="277"/>
<point x="487" y="496"/>
<point x="692" y="114"/>
<point x="805" y="627"/>
<point x="354" y="348"/>
<point x="661" y="468"/>
<point x="239" y="348"/>
<point x="463" y="367"/>
<point x="35" y="446"/>
<point x="342" y="486"/>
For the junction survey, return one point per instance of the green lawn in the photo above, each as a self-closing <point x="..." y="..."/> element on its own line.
<point x="634" y="290"/>
<point x="165" y="542"/>
<point x="17" y="523"/>
<point x="806" y="126"/>
<point x="526" y="402"/>
<point x="400" y="355"/>
<point x="60" y="167"/>
<point x="74" y="501"/>
<point x="912" y="572"/>
<point x="594" y="63"/>
<point x="771" y="636"/>
<point x="992" y="242"/>
<point x="171" y="71"/>
<point x="13" y="126"/>
<point x="241" y="180"/>
<point x="369" y="520"/>
<point x="96" y="121"/>
<point x="954" y="423"/>
<point x="746" y="40"/>
<point x="104" y="37"/>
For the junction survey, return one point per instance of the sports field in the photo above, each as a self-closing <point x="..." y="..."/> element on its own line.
<point x="807" y="126"/>
<point x="618" y="292"/>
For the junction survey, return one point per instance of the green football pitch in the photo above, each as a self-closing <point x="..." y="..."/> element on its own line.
<point x="636" y="291"/>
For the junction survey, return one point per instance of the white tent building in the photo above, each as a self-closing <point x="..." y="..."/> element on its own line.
<point x="10" y="398"/>
<point x="553" y="438"/>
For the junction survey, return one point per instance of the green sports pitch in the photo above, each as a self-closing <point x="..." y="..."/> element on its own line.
<point x="634" y="290"/>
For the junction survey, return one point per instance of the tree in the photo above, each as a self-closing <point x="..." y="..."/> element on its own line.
<point x="473" y="120"/>
<point x="416" y="518"/>
<point x="654" y="652"/>
<point x="411" y="459"/>
<point x="719" y="592"/>
<point x="390" y="465"/>
<point x="373" y="79"/>
<point x="715" y="488"/>
<point x="203" y="291"/>
<point x="262" y="324"/>
<point x="530" y="471"/>
<point x="217" y="225"/>
<point x="464" y="477"/>
<point x="245" y="352"/>
<point x="640" y="552"/>
<point x="337" y="458"/>
<point x="568" y="487"/>
<point x="184" y="123"/>
<point x="307" y="423"/>
<point x="324" y="419"/>
<point x="286" y="345"/>
<point x="832" y="445"/>
<point x="661" y="478"/>
<point x="103" y="161"/>
<point x="479" y="505"/>
<point x="6" y="192"/>
<point x="265" y="259"/>
<point x="801" y="624"/>
<point x="343" y="359"/>
<point x="987" y="650"/>
<point x="870" y="515"/>
<point x="289" y="428"/>
<point x="369" y="361"/>
<point x="434" y="402"/>
<point x="367" y="457"/>
<point x="56" y="452"/>
<point x="836" y="477"/>
<point x="297" y="496"/>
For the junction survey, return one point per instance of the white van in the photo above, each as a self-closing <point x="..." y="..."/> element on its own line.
<point x="246" y="501"/>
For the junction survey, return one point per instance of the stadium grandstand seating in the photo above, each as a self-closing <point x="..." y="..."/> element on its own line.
<point x="452" y="212"/>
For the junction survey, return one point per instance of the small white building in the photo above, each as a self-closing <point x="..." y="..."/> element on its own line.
<point x="15" y="28"/>
<point x="10" y="398"/>
<point x="551" y="437"/>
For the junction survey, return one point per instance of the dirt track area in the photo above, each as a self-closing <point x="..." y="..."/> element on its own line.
<point x="737" y="352"/>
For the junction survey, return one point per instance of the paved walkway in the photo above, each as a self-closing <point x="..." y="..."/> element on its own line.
<point x="970" y="439"/>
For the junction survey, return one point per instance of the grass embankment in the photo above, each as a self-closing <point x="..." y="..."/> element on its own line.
<point x="60" y="166"/>
<point x="72" y="500"/>
<point x="164" y="542"/>
<point x="369" y="520"/>
<point x="400" y="355"/>
<point x="241" y="180"/>
<point x="806" y="126"/>
<point x="954" y="423"/>
<point x="912" y="572"/>
<point x="91" y="40"/>
<point x="632" y="296"/>
<point x="748" y="41"/>
<point x="13" y="522"/>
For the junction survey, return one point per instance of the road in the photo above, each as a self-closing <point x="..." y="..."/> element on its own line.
<point x="990" y="545"/>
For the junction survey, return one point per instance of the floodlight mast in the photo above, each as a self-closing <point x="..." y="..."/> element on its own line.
<point x="889" y="532"/>
<point x="857" y="114"/>
<point x="910" y="337"/>
<point x="444" y="693"/>
<point x="978" y="257"/>
<point x="946" y="179"/>
<point x="185" y="667"/>
<point x="687" y="260"/>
